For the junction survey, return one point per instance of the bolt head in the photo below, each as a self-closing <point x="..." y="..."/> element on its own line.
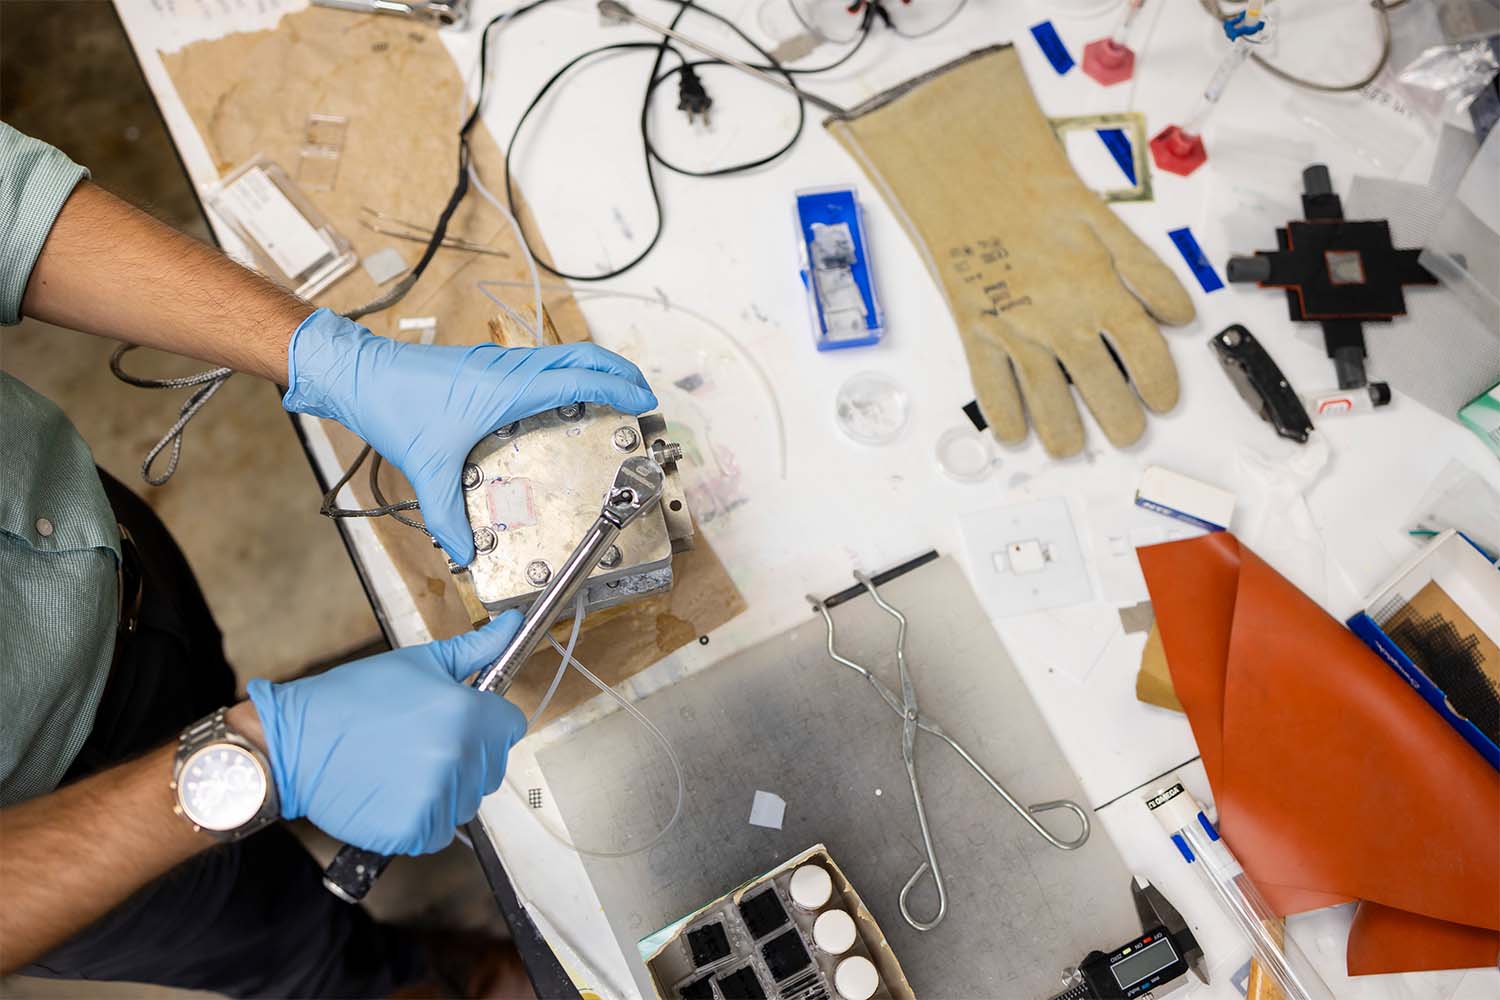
<point x="1232" y="338"/>
<point x="472" y="476"/>
<point x="538" y="572"/>
<point x="484" y="539"/>
<point x="626" y="438"/>
<point x="509" y="430"/>
<point x="572" y="411"/>
<point x="612" y="557"/>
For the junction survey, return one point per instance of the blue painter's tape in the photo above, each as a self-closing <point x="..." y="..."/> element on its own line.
<point x="1119" y="147"/>
<point x="1208" y="827"/>
<point x="1197" y="261"/>
<point x="1052" y="46"/>
<point x="1182" y="846"/>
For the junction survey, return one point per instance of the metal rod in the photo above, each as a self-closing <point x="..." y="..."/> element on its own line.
<point x="616" y="11"/>
<point x="548" y="607"/>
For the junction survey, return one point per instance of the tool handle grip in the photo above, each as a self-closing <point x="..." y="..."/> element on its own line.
<point x="353" y="871"/>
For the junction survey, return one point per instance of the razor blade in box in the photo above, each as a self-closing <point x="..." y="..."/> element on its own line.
<point x="836" y="271"/>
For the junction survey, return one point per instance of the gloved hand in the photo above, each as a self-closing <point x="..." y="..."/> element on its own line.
<point x="392" y="752"/>
<point x="1036" y="268"/>
<point x="424" y="407"/>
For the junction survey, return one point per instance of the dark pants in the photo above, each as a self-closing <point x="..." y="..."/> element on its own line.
<point x="245" y="919"/>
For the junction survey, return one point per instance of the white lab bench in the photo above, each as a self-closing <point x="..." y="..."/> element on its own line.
<point x="727" y="265"/>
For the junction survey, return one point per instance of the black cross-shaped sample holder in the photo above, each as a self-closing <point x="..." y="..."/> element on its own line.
<point x="1339" y="272"/>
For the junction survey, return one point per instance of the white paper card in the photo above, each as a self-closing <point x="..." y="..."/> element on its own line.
<point x="768" y="810"/>
<point x="270" y="219"/>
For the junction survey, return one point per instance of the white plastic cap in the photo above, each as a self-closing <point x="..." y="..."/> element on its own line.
<point x="1172" y="804"/>
<point x="833" y="932"/>
<point x="856" y="978"/>
<point x="811" y="887"/>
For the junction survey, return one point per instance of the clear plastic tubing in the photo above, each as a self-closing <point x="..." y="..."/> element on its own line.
<point x="1199" y="844"/>
<point x="1122" y="29"/>
<point x="1233" y="60"/>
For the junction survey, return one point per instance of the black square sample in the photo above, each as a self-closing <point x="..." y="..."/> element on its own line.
<point x="785" y="954"/>
<point x="763" y="913"/>
<point x="708" y="944"/>
<point x="741" y="984"/>
<point x="698" y="989"/>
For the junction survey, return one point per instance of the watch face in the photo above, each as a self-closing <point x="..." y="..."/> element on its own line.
<point x="222" y="787"/>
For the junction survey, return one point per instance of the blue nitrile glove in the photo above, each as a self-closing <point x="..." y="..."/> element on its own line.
<point x="423" y="407"/>
<point x="392" y="752"/>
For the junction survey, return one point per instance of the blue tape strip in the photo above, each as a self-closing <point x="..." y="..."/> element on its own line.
<point x="1182" y="846"/>
<point x="1208" y="827"/>
<point x="1197" y="262"/>
<point x="1119" y="147"/>
<point x="1052" y="46"/>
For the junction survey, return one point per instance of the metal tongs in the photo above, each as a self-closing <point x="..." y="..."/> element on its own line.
<point x="637" y="487"/>
<point x="913" y="720"/>
<point x="442" y="13"/>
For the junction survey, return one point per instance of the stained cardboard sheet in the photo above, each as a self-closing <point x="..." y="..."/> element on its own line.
<point x="782" y="717"/>
<point x="250" y="93"/>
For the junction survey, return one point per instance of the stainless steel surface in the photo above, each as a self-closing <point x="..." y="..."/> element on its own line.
<point x="780" y="716"/>
<point x="913" y="720"/>
<point x="613" y="10"/>
<point x="539" y="490"/>
<point x="636" y="489"/>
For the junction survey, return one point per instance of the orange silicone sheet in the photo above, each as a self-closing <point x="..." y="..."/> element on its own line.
<point x="1334" y="780"/>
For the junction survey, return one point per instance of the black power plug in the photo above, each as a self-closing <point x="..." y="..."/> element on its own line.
<point x="692" y="98"/>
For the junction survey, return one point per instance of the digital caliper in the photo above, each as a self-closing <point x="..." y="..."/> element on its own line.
<point x="1151" y="965"/>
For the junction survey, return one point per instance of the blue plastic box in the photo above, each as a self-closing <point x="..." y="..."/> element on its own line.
<point x="836" y="271"/>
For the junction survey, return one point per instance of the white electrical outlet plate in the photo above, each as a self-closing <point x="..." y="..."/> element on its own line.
<point x="1026" y="558"/>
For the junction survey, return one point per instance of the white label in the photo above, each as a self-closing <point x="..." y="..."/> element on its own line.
<point x="270" y="219"/>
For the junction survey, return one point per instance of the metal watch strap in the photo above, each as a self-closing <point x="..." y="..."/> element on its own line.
<point x="215" y="728"/>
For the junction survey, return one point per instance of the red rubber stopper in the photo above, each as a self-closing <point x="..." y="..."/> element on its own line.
<point x="1177" y="152"/>
<point x="1107" y="62"/>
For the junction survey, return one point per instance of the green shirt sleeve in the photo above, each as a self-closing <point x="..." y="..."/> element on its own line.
<point x="35" y="180"/>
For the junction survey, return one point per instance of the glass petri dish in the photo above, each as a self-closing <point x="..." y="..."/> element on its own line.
<point x="872" y="409"/>
<point x="966" y="454"/>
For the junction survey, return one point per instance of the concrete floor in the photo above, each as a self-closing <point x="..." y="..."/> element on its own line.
<point x="244" y="502"/>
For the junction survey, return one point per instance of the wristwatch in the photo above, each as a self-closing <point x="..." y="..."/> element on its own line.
<point x="223" y="782"/>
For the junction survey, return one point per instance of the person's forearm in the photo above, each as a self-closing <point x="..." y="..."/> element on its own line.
<point x="110" y="269"/>
<point x="68" y="858"/>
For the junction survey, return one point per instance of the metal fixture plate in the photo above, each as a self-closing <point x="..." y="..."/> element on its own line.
<point x="541" y="485"/>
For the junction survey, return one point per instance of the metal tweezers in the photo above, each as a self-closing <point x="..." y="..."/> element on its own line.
<point x="389" y="225"/>
<point x="912" y="720"/>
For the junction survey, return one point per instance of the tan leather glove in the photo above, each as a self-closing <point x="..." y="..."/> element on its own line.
<point x="1035" y="267"/>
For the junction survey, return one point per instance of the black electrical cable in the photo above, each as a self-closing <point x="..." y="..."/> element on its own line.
<point x="329" y="506"/>
<point x="787" y="71"/>
<point x="650" y="154"/>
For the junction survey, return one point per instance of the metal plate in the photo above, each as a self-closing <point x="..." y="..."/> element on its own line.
<point x="783" y="717"/>
<point x="541" y="486"/>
